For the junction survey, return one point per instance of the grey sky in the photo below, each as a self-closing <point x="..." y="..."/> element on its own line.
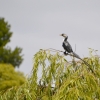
<point x="37" y="24"/>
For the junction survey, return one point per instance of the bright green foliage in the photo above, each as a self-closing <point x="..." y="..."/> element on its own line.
<point x="60" y="79"/>
<point x="9" y="77"/>
<point x="6" y="54"/>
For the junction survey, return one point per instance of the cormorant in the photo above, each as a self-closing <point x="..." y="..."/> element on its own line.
<point x="67" y="47"/>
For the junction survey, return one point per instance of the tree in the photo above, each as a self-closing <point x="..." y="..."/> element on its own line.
<point x="9" y="77"/>
<point x="60" y="79"/>
<point x="5" y="33"/>
<point x="6" y="54"/>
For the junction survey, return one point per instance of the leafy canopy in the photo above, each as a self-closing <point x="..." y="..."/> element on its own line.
<point x="6" y="54"/>
<point x="5" y="33"/>
<point x="9" y="77"/>
<point x="60" y="79"/>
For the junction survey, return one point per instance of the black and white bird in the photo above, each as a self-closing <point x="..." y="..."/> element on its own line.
<point x="67" y="47"/>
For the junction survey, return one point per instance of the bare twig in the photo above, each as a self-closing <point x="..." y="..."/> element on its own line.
<point x="54" y="50"/>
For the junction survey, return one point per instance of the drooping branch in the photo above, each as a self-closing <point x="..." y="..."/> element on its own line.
<point x="54" y="50"/>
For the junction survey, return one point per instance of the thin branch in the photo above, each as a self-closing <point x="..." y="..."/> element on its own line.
<point x="54" y="50"/>
<point x="75" y="47"/>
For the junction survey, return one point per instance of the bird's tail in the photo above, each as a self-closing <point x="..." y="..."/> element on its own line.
<point x="76" y="55"/>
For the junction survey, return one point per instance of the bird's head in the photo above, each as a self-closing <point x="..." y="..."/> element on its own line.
<point x="64" y="35"/>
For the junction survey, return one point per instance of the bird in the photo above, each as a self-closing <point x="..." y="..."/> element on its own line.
<point x="68" y="48"/>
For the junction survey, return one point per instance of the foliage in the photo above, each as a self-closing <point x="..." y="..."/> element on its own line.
<point x="9" y="77"/>
<point x="6" y="54"/>
<point x="11" y="57"/>
<point x="60" y="79"/>
<point x="5" y="33"/>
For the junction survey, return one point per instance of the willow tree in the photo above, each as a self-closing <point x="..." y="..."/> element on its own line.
<point x="59" y="79"/>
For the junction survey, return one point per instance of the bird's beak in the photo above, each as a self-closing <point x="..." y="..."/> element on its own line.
<point x="60" y="34"/>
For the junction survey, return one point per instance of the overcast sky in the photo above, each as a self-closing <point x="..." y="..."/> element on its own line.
<point x="36" y="24"/>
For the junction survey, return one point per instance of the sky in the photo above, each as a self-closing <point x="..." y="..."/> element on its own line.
<point x="37" y="24"/>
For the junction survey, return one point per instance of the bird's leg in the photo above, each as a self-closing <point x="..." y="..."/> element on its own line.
<point x="65" y="53"/>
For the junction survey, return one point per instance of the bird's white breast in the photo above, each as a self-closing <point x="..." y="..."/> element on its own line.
<point x="66" y="43"/>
